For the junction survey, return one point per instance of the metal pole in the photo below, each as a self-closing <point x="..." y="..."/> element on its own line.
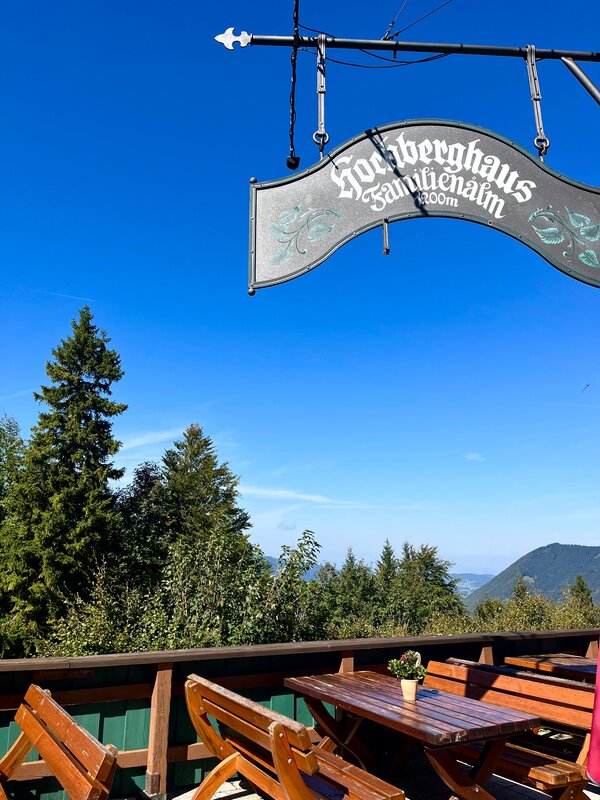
<point x="583" y="79"/>
<point x="392" y="46"/>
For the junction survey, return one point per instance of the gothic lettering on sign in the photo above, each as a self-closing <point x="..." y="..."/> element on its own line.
<point x="422" y="169"/>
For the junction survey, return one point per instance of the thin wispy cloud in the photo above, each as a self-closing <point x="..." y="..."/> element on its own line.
<point x="322" y="501"/>
<point x="474" y="457"/>
<point x="284" y="494"/>
<point x="68" y="296"/>
<point x="151" y="437"/>
<point x="14" y="395"/>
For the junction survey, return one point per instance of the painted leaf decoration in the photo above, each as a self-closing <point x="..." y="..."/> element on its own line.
<point x="549" y="235"/>
<point x="289" y="216"/>
<point x="578" y="220"/>
<point x="280" y="232"/>
<point x="317" y="232"/>
<point x="591" y="232"/>
<point x="282" y="256"/>
<point x="590" y="258"/>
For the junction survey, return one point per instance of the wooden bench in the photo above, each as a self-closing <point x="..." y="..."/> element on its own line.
<point x="560" y="702"/>
<point x="272" y="752"/>
<point x="83" y="767"/>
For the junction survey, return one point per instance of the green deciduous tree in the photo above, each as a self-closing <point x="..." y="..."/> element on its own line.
<point x="60" y="513"/>
<point x="285" y="614"/>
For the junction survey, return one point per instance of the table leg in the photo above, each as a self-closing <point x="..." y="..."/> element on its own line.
<point x="405" y="748"/>
<point x="484" y="767"/>
<point x="461" y="784"/>
<point x="343" y="735"/>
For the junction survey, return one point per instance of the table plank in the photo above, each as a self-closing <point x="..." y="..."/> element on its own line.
<point x="437" y="717"/>
<point x="452" y="710"/>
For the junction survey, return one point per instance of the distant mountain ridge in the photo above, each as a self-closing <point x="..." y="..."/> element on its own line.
<point x="548" y="570"/>
<point x="469" y="582"/>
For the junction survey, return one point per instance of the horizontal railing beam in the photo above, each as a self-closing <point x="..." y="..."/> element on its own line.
<point x="40" y="665"/>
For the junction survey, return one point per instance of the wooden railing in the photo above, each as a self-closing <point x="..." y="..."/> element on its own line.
<point x="145" y="690"/>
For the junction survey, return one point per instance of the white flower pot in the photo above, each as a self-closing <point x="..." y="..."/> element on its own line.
<point x="409" y="689"/>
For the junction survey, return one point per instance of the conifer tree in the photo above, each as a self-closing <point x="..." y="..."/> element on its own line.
<point x="60" y="512"/>
<point x="200" y="492"/>
<point x="385" y="605"/>
<point x="580" y="593"/>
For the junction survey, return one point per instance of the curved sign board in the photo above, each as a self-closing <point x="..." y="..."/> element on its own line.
<point x="422" y="168"/>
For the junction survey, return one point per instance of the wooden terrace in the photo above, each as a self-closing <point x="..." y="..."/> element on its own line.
<point x="136" y="702"/>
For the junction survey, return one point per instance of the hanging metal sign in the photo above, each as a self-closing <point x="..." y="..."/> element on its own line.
<point x="422" y="168"/>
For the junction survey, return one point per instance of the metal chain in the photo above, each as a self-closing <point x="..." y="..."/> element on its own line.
<point x="541" y="141"/>
<point x="320" y="136"/>
<point x="293" y="161"/>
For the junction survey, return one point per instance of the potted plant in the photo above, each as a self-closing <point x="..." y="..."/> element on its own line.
<point x="408" y="668"/>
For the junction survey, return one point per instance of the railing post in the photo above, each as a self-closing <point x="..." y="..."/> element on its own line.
<point x="158" y="738"/>
<point x="592" y="649"/>
<point x="347" y="661"/>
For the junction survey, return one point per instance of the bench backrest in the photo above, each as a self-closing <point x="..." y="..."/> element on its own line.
<point x="245" y="726"/>
<point x="82" y="765"/>
<point x="519" y="672"/>
<point x="562" y="702"/>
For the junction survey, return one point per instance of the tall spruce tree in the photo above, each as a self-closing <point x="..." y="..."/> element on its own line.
<point x="200" y="492"/>
<point x="61" y="514"/>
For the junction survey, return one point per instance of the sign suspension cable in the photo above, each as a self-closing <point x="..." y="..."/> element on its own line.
<point x="293" y="161"/>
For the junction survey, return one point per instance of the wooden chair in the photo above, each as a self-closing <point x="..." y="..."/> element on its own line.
<point x="83" y="767"/>
<point x="560" y="702"/>
<point x="271" y="751"/>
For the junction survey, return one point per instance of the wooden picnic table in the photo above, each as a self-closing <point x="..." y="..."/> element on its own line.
<point x="436" y="721"/>
<point x="564" y="665"/>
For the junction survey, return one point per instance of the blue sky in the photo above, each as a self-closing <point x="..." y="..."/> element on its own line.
<point x="432" y="396"/>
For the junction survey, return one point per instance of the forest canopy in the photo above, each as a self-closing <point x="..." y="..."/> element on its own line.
<point x="166" y="561"/>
